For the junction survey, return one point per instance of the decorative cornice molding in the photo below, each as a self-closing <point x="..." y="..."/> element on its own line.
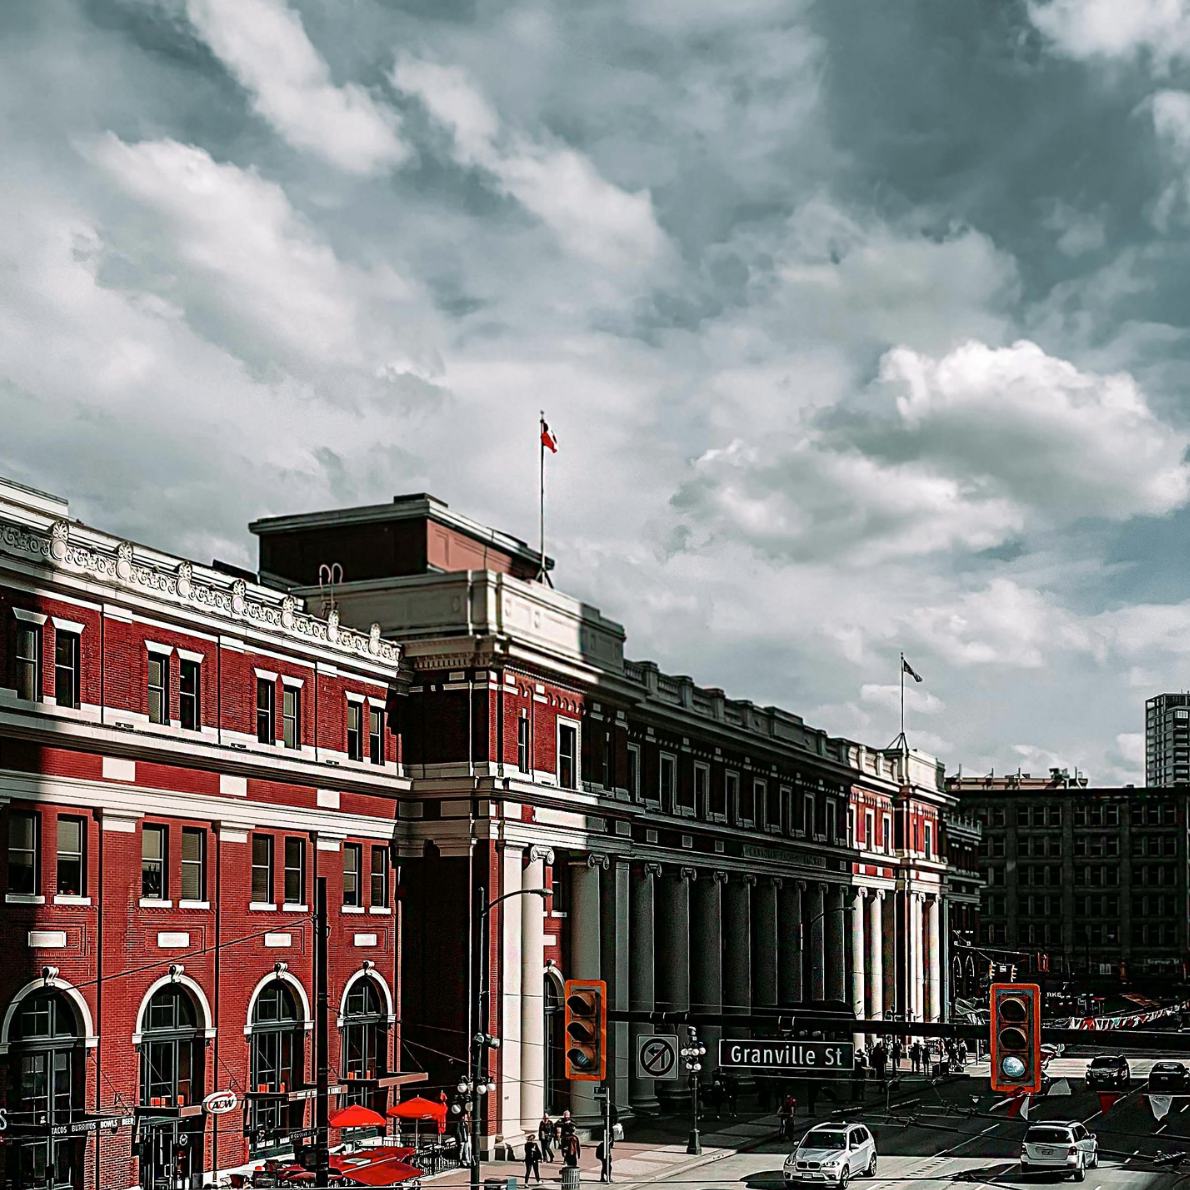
<point x="180" y="585"/>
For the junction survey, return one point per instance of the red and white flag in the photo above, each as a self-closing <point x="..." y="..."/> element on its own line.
<point x="547" y="439"/>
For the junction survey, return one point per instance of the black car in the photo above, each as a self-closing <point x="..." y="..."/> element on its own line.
<point x="1109" y="1070"/>
<point x="1168" y="1078"/>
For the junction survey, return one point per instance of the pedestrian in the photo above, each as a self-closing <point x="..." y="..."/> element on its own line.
<point x="732" y="1089"/>
<point x="879" y="1058"/>
<point x="545" y="1136"/>
<point x="962" y="1053"/>
<point x="565" y="1126"/>
<point x="897" y="1051"/>
<point x="915" y="1057"/>
<point x="603" y="1151"/>
<point x="464" y="1135"/>
<point x="532" y="1159"/>
<point x="571" y="1149"/>
<point x="715" y="1096"/>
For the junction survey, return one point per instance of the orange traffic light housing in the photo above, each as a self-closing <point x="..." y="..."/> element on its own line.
<point x="1016" y="1037"/>
<point x="586" y="1030"/>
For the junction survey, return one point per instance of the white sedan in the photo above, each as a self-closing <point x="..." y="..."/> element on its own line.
<point x="832" y="1153"/>
<point x="1066" y="1147"/>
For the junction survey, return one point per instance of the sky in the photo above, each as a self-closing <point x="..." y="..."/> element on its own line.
<point x="862" y="327"/>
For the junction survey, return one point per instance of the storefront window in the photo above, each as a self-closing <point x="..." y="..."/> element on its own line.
<point x="278" y="1067"/>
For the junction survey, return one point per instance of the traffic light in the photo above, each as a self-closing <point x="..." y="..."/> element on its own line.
<point x="586" y="1030"/>
<point x="1016" y="1037"/>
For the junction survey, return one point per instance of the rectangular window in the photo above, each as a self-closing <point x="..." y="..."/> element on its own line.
<point x="686" y="800"/>
<point x="266" y="694"/>
<point x="295" y="871"/>
<point x="71" y="857"/>
<point x="886" y="834"/>
<point x="772" y="816"/>
<point x="609" y="762"/>
<point x="869" y="828"/>
<point x="153" y="854"/>
<point x="352" y="863"/>
<point x="721" y="793"/>
<point x="291" y="717"/>
<point x="522" y="745"/>
<point x="666" y="781"/>
<point x="746" y="803"/>
<point x="27" y="661"/>
<point x="355" y="731"/>
<point x="158" y="688"/>
<point x="376" y="735"/>
<point x="262" y="869"/>
<point x="808" y="823"/>
<point x="702" y="782"/>
<point x="190" y="694"/>
<point x="831" y="825"/>
<point x="633" y="774"/>
<point x="379" y="876"/>
<point x="929" y="847"/>
<point x="567" y="755"/>
<point x="194" y="864"/>
<point x="23" y="831"/>
<point x="66" y="669"/>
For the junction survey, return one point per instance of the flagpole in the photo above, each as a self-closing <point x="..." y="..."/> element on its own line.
<point x="541" y="490"/>
<point x="903" y="699"/>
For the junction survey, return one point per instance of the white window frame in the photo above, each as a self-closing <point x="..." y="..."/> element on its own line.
<point x="832" y="820"/>
<point x="869" y="830"/>
<point x="662" y="757"/>
<point x="809" y="816"/>
<point x="634" y="787"/>
<point x="730" y="777"/>
<point x="703" y="810"/>
<point x="886" y="833"/>
<point x="785" y="793"/>
<point x="559" y="723"/>
<point x="739" y="817"/>
<point x="928" y="840"/>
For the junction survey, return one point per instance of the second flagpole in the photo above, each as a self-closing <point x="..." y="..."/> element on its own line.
<point x="541" y="491"/>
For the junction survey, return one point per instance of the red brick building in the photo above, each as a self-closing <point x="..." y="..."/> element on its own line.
<point x="182" y="753"/>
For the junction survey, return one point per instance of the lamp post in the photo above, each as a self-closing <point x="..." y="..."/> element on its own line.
<point x="477" y="1084"/>
<point x="692" y="1054"/>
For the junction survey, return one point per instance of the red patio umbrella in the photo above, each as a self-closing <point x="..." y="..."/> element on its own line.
<point x="418" y="1109"/>
<point x="356" y="1116"/>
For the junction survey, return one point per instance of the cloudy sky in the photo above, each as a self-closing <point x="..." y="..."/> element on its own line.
<point x="863" y="326"/>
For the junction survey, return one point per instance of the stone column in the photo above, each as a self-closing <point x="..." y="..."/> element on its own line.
<point x="876" y="955"/>
<point x="673" y="960"/>
<point x="737" y="946"/>
<point x="706" y="959"/>
<point x="934" y="955"/>
<point x="855" y="938"/>
<point x="915" y="988"/>
<point x="642" y="1095"/>
<point x="789" y="942"/>
<point x="614" y="918"/>
<point x="511" y="1002"/>
<point x="836" y="942"/>
<point x="586" y="957"/>
<point x="889" y="964"/>
<point x="532" y="989"/>
<point x="818" y="942"/>
<point x="764" y="943"/>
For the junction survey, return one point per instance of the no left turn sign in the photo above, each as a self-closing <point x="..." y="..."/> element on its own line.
<point x="657" y="1056"/>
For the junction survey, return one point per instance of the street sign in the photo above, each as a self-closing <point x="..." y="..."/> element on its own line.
<point x="804" y="1056"/>
<point x="657" y="1056"/>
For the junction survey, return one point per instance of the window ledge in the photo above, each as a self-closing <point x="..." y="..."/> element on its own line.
<point x="292" y="908"/>
<point x="154" y="903"/>
<point x="380" y="910"/>
<point x="71" y="899"/>
<point x="23" y="899"/>
<point x="353" y="909"/>
<point x="194" y="904"/>
<point x="262" y="906"/>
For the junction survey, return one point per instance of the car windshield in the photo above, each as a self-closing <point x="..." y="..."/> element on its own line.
<point x="1047" y="1136"/>
<point x="1105" y="1061"/>
<point x="1168" y="1067"/>
<point x="824" y="1140"/>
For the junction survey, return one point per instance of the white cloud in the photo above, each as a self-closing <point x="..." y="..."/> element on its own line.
<point x="1116" y="28"/>
<point x="1131" y="745"/>
<point x="263" y="43"/>
<point x="591" y="217"/>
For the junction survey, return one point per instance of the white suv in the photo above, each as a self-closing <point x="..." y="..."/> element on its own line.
<point x="1068" y="1147"/>
<point x="832" y="1153"/>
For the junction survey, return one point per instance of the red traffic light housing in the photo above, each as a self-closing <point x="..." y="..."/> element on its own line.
<point x="586" y="1030"/>
<point x="1016" y="1037"/>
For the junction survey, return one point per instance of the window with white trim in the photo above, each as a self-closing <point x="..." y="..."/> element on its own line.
<point x="633" y="774"/>
<point x="831" y="821"/>
<point x="809" y="824"/>
<point x="721" y="807"/>
<point x="567" y="771"/>
<point x="291" y="716"/>
<point x="295" y="871"/>
<point x="190" y="694"/>
<point x="266" y="695"/>
<point x="194" y="864"/>
<point x="869" y="829"/>
<point x="702" y="788"/>
<point x="376" y="734"/>
<point x="26" y="661"/>
<point x="24" y="836"/>
<point x="159" y="688"/>
<point x="772" y="816"/>
<point x="667" y="774"/>
<point x="72" y="857"/>
<point x="67" y="668"/>
<point x="746" y="803"/>
<point x="355" y="730"/>
<point x="353" y="854"/>
<point x="262" y="869"/>
<point x="685" y="798"/>
<point x="522" y="745"/>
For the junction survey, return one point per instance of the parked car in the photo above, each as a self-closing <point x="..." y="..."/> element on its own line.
<point x="1109" y="1071"/>
<point x="1066" y="1147"/>
<point x="1168" y="1078"/>
<point x="832" y="1153"/>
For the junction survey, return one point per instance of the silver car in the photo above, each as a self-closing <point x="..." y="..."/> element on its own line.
<point x="832" y="1153"/>
<point x="1069" y="1148"/>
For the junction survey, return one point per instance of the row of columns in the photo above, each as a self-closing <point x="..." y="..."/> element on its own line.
<point x="677" y="938"/>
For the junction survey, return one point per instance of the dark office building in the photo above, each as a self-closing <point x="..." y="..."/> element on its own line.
<point x="1167" y="740"/>
<point x="1081" y="880"/>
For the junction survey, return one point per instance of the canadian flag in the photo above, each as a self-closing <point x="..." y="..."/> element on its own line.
<point x="547" y="439"/>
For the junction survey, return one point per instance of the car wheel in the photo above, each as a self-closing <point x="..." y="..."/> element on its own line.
<point x="1080" y="1171"/>
<point x="872" y="1166"/>
<point x="1095" y="1159"/>
<point x="844" y="1176"/>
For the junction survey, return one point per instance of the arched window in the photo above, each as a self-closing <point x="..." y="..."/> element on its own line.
<point x="172" y="1068"/>
<point x="46" y="1081"/>
<point x="278" y="1066"/>
<point x="365" y="1039"/>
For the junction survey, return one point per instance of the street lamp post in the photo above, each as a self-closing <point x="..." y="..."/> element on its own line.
<point x="692" y="1054"/>
<point x="477" y="1084"/>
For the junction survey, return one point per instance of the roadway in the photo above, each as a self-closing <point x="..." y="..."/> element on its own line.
<point x="930" y="1137"/>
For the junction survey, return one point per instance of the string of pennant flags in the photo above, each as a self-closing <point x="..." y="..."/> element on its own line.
<point x="1124" y="1021"/>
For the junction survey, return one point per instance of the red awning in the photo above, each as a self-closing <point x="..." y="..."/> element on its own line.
<point x="356" y="1116"/>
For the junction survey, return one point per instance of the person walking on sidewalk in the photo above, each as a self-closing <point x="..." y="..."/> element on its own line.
<point x="532" y="1159"/>
<point x="603" y="1150"/>
<point x="572" y="1150"/>
<point x="879" y="1057"/>
<point x="545" y="1135"/>
<point x="898" y="1051"/>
